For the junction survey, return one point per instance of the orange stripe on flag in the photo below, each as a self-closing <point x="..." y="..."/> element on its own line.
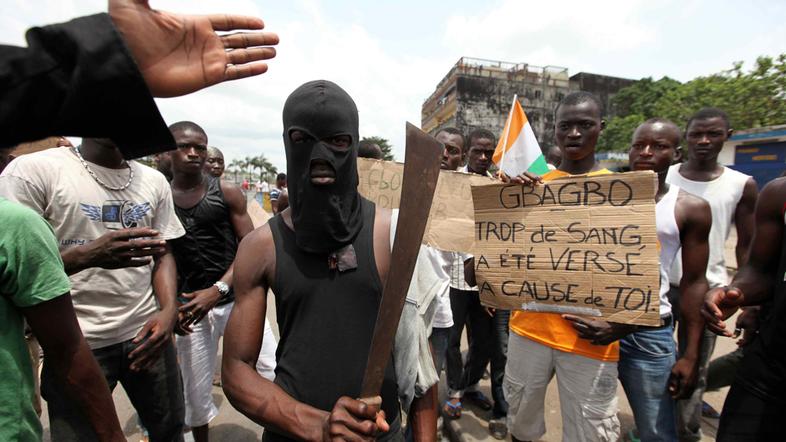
<point x="516" y="121"/>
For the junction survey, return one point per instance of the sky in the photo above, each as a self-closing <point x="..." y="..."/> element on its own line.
<point x="389" y="56"/>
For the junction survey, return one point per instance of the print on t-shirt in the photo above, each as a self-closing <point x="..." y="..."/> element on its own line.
<point x="116" y="214"/>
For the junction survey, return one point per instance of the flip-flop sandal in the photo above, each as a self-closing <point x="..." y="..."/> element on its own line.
<point x="708" y="411"/>
<point x="479" y="399"/>
<point x="451" y="410"/>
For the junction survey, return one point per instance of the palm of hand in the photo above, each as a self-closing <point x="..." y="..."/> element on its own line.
<point x="187" y="56"/>
<point x="179" y="54"/>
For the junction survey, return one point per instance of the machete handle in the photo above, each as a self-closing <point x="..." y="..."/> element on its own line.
<point x="374" y="402"/>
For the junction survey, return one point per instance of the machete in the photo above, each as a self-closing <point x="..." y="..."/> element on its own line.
<point x="421" y="171"/>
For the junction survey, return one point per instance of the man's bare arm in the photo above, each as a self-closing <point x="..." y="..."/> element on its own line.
<point x="178" y="54"/>
<point x="200" y="302"/>
<point x="423" y="416"/>
<point x="114" y="250"/>
<point x="241" y="221"/>
<point x="756" y="277"/>
<point x="54" y="324"/>
<point x="744" y="220"/>
<point x="694" y="219"/>
<point x="256" y="397"/>
<point x="753" y="283"/>
<point x="158" y="330"/>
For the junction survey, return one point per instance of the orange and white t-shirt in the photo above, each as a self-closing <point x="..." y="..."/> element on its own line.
<point x="550" y="329"/>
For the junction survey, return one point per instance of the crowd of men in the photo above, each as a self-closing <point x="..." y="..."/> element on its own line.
<point x="128" y="274"/>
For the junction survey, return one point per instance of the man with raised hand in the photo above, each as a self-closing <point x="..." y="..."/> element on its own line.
<point x="754" y="406"/>
<point x="650" y="372"/>
<point x="732" y="197"/>
<point x="113" y="219"/>
<point x="90" y="66"/>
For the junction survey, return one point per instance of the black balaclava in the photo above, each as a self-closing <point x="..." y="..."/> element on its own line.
<point x="328" y="217"/>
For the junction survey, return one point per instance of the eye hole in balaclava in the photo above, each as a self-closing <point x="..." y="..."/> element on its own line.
<point x="321" y="136"/>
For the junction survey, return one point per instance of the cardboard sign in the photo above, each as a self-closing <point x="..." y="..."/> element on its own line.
<point x="451" y="219"/>
<point x="582" y="245"/>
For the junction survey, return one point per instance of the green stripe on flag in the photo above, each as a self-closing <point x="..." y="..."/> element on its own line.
<point x="539" y="166"/>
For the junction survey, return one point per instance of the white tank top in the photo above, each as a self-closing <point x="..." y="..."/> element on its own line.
<point x="723" y="194"/>
<point x="668" y="241"/>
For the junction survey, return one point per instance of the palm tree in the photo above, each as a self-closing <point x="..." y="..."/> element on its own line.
<point x="248" y="163"/>
<point x="236" y="165"/>
<point x="266" y="169"/>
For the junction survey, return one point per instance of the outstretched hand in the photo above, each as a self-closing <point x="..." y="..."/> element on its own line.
<point x="179" y="54"/>
<point x="719" y="304"/>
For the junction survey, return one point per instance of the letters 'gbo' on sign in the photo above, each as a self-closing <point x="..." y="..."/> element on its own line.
<point x="582" y="245"/>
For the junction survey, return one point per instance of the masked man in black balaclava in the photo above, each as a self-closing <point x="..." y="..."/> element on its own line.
<point x="326" y="259"/>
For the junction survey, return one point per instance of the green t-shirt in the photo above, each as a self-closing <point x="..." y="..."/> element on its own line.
<point x="31" y="272"/>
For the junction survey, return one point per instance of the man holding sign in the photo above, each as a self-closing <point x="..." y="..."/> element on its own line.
<point x="648" y="356"/>
<point x="584" y="353"/>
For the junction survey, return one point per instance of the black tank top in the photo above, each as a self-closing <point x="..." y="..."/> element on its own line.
<point x="326" y="319"/>
<point x="209" y="246"/>
<point x="763" y="370"/>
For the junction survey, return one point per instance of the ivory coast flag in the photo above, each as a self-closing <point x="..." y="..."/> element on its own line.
<point x="518" y="150"/>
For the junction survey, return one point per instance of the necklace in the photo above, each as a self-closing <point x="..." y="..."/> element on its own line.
<point x="98" y="180"/>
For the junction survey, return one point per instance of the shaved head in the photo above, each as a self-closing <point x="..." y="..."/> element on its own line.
<point x="675" y="134"/>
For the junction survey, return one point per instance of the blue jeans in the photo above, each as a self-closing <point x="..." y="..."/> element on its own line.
<point x="646" y="358"/>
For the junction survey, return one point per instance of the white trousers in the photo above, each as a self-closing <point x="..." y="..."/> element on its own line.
<point x="587" y="392"/>
<point x="197" y="354"/>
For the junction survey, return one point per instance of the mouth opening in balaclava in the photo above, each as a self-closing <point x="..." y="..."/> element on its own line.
<point x="326" y="217"/>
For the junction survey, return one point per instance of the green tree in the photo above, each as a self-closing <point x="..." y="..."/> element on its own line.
<point x="235" y="167"/>
<point x="269" y="170"/>
<point x="618" y="133"/>
<point x="266" y="170"/>
<point x="752" y="98"/>
<point x="641" y="96"/>
<point x="256" y="163"/>
<point x="387" y="149"/>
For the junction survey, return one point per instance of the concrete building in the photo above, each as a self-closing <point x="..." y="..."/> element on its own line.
<point x="759" y="152"/>
<point x="478" y="93"/>
<point x="603" y="86"/>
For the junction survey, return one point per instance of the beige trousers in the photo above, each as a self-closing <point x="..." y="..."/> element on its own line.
<point x="587" y="392"/>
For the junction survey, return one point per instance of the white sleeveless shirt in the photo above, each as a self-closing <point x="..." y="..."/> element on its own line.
<point x="723" y="194"/>
<point x="668" y="240"/>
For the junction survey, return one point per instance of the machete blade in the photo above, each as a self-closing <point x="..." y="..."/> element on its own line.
<point x="421" y="171"/>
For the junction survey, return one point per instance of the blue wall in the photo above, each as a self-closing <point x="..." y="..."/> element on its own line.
<point x="764" y="162"/>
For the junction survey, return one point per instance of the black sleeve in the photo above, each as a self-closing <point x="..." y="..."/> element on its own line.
<point x="79" y="79"/>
